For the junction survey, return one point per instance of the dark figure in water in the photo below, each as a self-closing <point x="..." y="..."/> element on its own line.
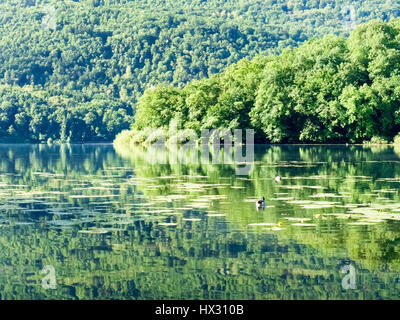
<point x="260" y="204"/>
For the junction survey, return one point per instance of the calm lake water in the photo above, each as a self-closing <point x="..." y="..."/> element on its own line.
<point x="113" y="224"/>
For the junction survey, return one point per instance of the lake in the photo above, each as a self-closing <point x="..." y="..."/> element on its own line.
<point x="99" y="222"/>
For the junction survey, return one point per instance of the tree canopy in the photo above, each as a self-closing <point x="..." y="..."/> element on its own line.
<point x="79" y="67"/>
<point x="333" y="89"/>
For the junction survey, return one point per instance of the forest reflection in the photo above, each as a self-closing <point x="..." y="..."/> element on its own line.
<point x="114" y="224"/>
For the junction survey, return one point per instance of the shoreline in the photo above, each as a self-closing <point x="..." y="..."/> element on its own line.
<point x="255" y="144"/>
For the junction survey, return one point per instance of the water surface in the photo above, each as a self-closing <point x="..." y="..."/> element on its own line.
<point x="114" y="224"/>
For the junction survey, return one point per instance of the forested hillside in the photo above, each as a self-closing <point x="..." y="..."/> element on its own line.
<point x="333" y="89"/>
<point x="74" y="70"/>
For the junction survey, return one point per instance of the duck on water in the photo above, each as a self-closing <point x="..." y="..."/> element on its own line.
<point x="260" y="203"/>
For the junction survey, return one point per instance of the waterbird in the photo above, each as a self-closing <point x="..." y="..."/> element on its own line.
<point x="278" y="178"/>
<point x="260" y="203"/>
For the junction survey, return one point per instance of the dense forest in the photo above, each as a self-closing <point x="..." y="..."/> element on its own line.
<point x="74" y="70"/>
<point x="333" y="89"/>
